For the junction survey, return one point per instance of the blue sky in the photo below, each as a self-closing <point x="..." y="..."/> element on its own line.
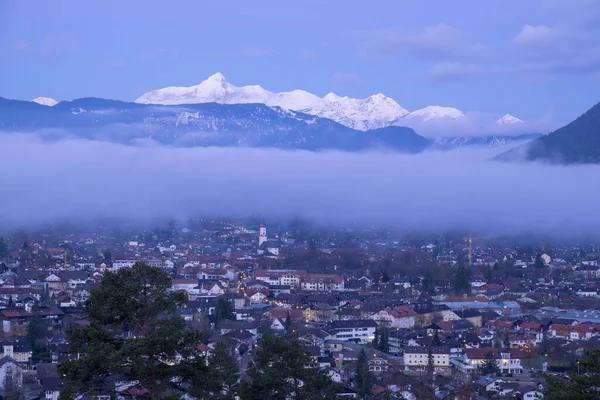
<point x="534" y="59"/>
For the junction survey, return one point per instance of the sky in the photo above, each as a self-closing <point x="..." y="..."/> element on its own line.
<point x="535" y="59"/>
<point x="431" y="191"/>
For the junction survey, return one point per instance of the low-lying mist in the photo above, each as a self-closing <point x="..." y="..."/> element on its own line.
<point x="460" y="189"/>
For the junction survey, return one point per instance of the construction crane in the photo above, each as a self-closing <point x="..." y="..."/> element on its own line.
<point x="470" y="239"/>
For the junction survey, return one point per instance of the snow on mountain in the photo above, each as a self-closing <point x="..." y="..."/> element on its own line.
<point x="375" y="111"/>
<point x="508" y="119"/>
<point x="297" y="100"/>
<point x="215" y="89"/>
<point x="45" y="101"/>
<point x="436" y="113"/>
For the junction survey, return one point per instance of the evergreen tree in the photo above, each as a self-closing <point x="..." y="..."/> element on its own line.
<point x="461" y="281"/>
<point x="430" y="364"/>
<point x="3" y="248"/>
<point x="436" y="339"/>
<point x="363" y="380"/>
<point x="288" y="321"/>
<point x="375" y="341"/>
<point x="539" y="263"/>
<point x="489" y="365"/>
<point x="583" y="384"/>
<point x="25" y="245"/>
<point x="224" y="372"/>
<point x="9" y="304"/>
<point x="283" y="369"/>
<point x="487" y="273"/>
<point x="384" y="340"/>
<point x="543" y="346"/>
<point x="134" y="333"/>
<point x="223" y="310"/>
<point x="428" y="283"/>
<point x="506" y="341"/>
<point x="385" y="276"/>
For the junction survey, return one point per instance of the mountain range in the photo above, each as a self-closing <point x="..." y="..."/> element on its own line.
<point x="376" y="111"/>
<point x="575" y="143"/>
<point x="215" y="124"/>
<point x="206" y="124"/>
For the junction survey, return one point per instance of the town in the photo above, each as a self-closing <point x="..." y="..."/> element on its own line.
<point x="378" y="314"/>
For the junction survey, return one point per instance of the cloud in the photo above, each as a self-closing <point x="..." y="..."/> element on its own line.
<point x="570" y="48"/>
<point x="258" y="52"/>
<point x="430" y="191"/>
<point x="535" y="35"/>
<point x="438" y="42"/>
<point x="344" y="78"/>
<point x="447" y="71"/>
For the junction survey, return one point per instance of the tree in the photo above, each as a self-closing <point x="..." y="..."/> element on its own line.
<point x="506" y="341"/>
<point x="223" y="310"/>
<point x="461" y="281"/>
<point x="9" y="304"/>
<point x="428" y="283"/>
<point x="107" y="255"/>
<point x="489" y="365"/>
<point x="3" y="248"/>
<point x="284" y="369"/>
<point x="487" y="273"/>
<point x="37" y="332"/>
<point x="375" y="341"/>
<point x="385" y="276"/>
<point x="430" y="364"/>
<point x="583" y="384"/>
<point x="288" y="321"/>
<point x="436" y="339"/>
<point x="384" y="344"/>
<point x="539" y="262"/>
<point x="543" y="346"/>
<point x="224" y="372"/>
<point x="135" y="333"/>
<point x="363" y="380"/>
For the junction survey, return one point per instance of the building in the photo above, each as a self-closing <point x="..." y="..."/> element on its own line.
<point x="416" y="358"/>
<point x="359" y="331"/>
<point x="508" y="360"/>
<point x="262" y="233"/>
<point x="322" y="282"/>
<point x="396" y="317"/>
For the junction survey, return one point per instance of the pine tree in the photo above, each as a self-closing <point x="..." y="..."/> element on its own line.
<point x="283" y="369"/>
<point x="489" y="365"/>
<point x="363" y="379"/>
<point x="288" y="321"/>
<point x="135" y="333"/>
<point x="428" y="283"/>
<point x="506" y="342"/>
<point x="375" y="341"/>
<point x="436" y="339"/>
<point x="224" y="372"/>
<point x="10" y="302"/>
<point x="430" y="364"/>
<point x="384" y="344"/>
<point x="223" y="310"/>
<point x="461" y="281"/>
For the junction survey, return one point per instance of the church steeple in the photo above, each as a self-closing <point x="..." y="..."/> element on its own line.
<point x="262" y="232"/>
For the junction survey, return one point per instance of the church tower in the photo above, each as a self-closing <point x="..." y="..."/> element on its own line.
<point x="262" y="233"/>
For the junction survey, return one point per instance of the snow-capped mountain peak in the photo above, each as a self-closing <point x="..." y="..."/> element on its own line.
<point x="508" y="119"/>
<point x="436" y="112"/>
<point x="215" y="89"/>
<point x="45" y="101"/>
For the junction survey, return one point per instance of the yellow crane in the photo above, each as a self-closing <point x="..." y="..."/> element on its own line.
<point x="470" y="239"/>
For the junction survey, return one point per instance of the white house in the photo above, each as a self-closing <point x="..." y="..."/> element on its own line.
<point x="396" y="317"/>
<point x="360" y="331"/>
<point x="417" y="358"/>
<point x="118" y="264"/>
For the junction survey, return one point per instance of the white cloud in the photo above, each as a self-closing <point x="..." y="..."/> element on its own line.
<point x="437" y="42"/>
<point x="535" y="35"/>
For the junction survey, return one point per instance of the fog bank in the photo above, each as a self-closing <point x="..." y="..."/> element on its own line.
<point x="462" y="189"/>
